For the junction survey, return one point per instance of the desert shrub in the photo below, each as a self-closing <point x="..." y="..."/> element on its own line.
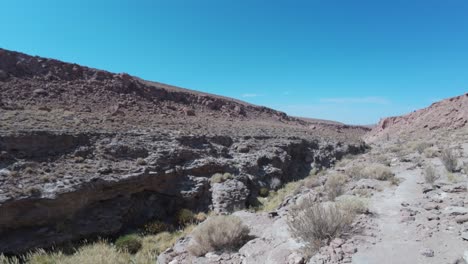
<point x="315" y="224"/>
<point x="449" y="160"/>
<point x="185" y="217"/>
<point x="422" y="146"/>
<point x="452" y="177"/>
<point x="200" y="217"/>
<point x="155" y="227"/>
<point x="353" y="204"/>
<point x="312" y="182"/>
<point x="362" y="192"/>
<point x="335" y="185"/>
<point x="382" y="159"/>
<point x="379" y="172"/>
<point x="431" y="152"/>
<point x="263" y="192"/>
<point x="371" y="171"/>
<point x="128" y="243"/>
<point x="275" y="183"/>
<point x="220" y="177"/>
<point x="218" y="233"/>
<point x="430" y="175"/>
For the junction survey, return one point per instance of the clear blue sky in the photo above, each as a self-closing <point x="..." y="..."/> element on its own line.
<point x="351" y="61"/>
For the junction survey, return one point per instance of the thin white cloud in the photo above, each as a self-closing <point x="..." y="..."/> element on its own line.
<point x="356" y="100"/>
<point x="251" y="95"/>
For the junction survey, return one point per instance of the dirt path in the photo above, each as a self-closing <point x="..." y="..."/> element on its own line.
<point x="403" y="240"/>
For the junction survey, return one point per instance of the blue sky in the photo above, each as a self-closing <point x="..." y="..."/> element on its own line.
<point x="351" y="61"/>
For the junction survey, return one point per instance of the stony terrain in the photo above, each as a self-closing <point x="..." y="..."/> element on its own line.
<point x="88" y="153"/>
<point x="449" y="114"/>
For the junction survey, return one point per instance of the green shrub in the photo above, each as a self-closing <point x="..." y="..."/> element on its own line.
<point x="185" y="217"/>
<point x="263" y="192"/>
<point x="218" y="233"/>
<point x="155" y="227"/>
<point x="128" y="243"/>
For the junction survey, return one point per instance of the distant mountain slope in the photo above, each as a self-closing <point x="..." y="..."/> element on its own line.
<point x="449" y="114"/>
<point x="121" y="101"/>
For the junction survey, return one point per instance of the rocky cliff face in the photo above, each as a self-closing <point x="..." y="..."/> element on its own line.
<point x="86" y="153"/>
<point x="448" y="114"/>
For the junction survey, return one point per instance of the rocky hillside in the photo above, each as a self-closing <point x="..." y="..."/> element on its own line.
<point x="86" y="153"/>
<point x="448" y="114"/>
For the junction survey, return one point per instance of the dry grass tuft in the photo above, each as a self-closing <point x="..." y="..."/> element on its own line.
<point x="335" y="185"/>
<point x="316" y="224"/>
<point x="420" y="147"/>
<point x="371" y="171"/>
<point x="218" y="233"/>
<point x="430" y="175"/>
<point x="353" y="204"/>
<point x="449" y="160"/>
<point x="100" y="252"/>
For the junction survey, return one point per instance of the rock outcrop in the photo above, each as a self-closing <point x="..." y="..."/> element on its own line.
<point x="448" y="114"/>
<point x="87" y="153"/>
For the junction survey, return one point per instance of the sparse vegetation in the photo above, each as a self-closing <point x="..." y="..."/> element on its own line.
<point x="275" y="198"/>
<point x="452" y="177"/>
<point x="185" y="217"/>
<point x="335" y="185"/>
<point x="422" y="146"/>
<point x="430" y="175"/>
<point x="200" y="217"/>
<point x="449" y="160"/>
<point x="316" y="223"/>
<point x="353" y="204"/>
<point x="431" y="152"/>
<point x="155" y="227"/>
<point x="99" y="252"/>
<point x="371" y="171"/>
<point x="312" y="182"/>
<point x="218" y="233"/>
<point x="263" y="192"/>
<point x="129" y="243"/>
<point x="220" y="177"/>
<point x="153" y="245"/>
